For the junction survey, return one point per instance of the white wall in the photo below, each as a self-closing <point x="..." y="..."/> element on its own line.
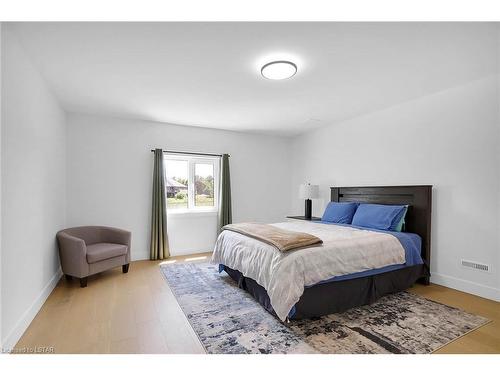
<point x="1" y="336"/>
<point x="33" y="189"/>
<point x="110" y="172"/>
<point x="449" y="140"/>
<point x="498" y="142"/>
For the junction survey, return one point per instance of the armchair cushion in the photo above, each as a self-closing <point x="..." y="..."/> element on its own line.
<point x="104" y="250"/>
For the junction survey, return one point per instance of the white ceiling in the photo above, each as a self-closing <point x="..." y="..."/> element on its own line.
<point x="208" y="74"/>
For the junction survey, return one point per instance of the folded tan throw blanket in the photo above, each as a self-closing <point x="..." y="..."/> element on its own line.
<point x="281" y="239"/>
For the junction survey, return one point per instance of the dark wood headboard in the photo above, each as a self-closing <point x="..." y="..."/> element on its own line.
<point x="418" y="198"/>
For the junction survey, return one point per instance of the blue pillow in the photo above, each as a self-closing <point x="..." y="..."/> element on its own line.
<point x="340" y="212"/>
<point x="378" y="216"/>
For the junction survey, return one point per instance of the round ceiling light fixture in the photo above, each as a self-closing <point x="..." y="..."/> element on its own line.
<point x="279" y="70"/>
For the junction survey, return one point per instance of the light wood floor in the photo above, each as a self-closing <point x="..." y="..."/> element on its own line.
<point x="137" y="313"/>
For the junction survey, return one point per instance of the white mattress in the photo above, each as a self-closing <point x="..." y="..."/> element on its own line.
<point x="344" y="251"/>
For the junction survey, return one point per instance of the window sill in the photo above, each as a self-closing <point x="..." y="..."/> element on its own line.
<point x="191" y="213"/>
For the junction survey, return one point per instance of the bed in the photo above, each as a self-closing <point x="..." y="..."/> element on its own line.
<point x="338" y="274"/>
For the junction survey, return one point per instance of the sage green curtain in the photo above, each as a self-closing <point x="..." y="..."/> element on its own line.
<point x="225" y="213"/>
<point x="159" y="239"/>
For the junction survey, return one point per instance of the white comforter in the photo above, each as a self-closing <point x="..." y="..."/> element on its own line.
<point x="344" y="251"/>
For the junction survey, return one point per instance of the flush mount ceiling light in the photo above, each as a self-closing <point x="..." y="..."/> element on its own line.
<point x="279" y="70"/>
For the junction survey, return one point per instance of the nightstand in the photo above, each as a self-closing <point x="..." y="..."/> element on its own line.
<point x="314" y="218"/>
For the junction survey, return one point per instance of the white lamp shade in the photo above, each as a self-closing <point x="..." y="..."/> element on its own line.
<point x="308" y="191"/>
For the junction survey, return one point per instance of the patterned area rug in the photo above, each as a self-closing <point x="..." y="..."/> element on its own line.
<point x="228" y="320"/>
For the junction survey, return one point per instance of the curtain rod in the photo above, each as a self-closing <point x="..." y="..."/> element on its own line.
<point x="189" y="153"/>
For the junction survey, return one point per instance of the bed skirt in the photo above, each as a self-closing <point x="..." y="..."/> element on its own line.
<point x="337" y="296"/>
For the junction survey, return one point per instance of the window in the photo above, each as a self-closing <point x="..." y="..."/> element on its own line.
<point x="192" y="183"/>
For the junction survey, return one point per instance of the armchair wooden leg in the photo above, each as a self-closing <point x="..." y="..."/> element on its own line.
<point x="68" y="277"/>
<point x="83" y="282"/>
<point x="125" y="268"/>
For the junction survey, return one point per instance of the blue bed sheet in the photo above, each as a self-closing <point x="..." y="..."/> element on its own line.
<point x="412" y="245"/>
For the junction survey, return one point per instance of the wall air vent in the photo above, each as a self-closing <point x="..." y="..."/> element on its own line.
<point x="476" y="266"/>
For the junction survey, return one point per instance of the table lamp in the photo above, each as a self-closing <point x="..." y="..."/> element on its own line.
<point x="308" y="192"/>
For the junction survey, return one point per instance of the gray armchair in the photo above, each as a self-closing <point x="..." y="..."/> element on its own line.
<point x="85" y="251"/>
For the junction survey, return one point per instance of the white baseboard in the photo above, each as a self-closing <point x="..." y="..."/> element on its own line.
<point x="27" y="317"/>
<point x="140" y="256"/>
<point x="145" y="256"/>
<point x="466" y="286"/>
